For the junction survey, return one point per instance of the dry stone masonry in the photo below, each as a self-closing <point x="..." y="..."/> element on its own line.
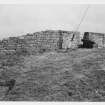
<point x="48" y="40"/>
<point x="97" y="38"/>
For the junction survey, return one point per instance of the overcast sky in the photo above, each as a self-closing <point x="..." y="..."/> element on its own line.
<point x="23" y="18"/>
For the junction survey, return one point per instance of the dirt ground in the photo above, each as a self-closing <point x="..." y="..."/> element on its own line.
<point x="76" y="75"/>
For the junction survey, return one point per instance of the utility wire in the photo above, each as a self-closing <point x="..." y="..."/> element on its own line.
<point x="84" y="15"/>
<point x="78" y="26"/>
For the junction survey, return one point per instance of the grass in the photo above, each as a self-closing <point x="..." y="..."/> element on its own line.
<point x="77" y="75"/>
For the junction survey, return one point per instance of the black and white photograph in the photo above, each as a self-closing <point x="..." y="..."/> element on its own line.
<point x="52" y="52"/>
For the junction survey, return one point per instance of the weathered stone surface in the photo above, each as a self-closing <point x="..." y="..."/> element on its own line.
<point x="40" y="40"/>
<point x="98" y="38"/>
<point x="48" y="40"/>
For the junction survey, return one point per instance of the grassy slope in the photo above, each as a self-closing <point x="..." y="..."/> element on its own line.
<point x="78" y="75"/>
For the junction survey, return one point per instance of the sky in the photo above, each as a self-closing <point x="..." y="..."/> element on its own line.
<point x="20" y="19"/>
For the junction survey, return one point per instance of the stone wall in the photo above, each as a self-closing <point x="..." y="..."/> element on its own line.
<point x="12" y="43"/>
<point x="67" y="36"/>
<point x="47" y="40"/>
<point x="43" y="40"/>
<point x="98" y="38"/>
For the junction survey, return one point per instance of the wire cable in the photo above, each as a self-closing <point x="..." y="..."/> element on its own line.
<point x="78" y="26"/>
<point x="84" y="15"/>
